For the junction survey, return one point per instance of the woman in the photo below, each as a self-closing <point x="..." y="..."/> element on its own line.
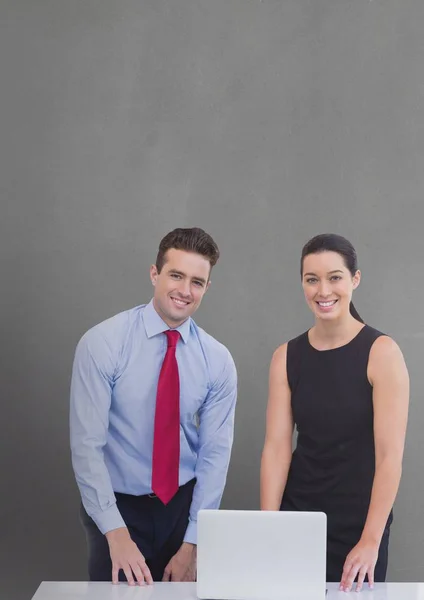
<point x="346" y="388"/>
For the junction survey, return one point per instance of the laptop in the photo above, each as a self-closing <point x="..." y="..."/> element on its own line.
<point x="261" y="555"/>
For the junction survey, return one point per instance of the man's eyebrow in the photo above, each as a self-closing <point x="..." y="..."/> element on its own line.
<point x="184" y="275"/>
<point x="177" y="272"/>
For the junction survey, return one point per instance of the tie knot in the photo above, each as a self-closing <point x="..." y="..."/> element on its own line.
<point x="173" y="336"/>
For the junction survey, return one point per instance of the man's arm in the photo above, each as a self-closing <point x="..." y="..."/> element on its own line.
<point x="216" y="433"/>
<point x="91" y="389"/>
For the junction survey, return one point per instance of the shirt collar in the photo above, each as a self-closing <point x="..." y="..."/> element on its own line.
<point x="155" y="325"/>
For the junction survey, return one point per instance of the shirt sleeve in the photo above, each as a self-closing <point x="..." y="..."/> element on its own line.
<point x="91" y="390"/>
<point x="216" y="433"/>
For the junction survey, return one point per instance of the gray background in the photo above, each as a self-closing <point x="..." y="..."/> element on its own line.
<point x="264" y="122"/>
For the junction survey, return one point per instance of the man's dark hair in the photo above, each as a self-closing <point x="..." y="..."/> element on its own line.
<point x="193" y="239"/>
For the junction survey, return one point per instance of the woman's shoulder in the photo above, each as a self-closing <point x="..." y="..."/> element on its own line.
<point x="383" y="348"/>
<point x="383" y="345"/>
<point x="285" y="356"/>
<point x="297" y="342"/>
<point x="385" y="359"/>
<point x="280" y="354"/>
<point x="380" y="342"/>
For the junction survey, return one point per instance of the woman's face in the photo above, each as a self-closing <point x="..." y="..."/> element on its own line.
<point x="328" y="285"/>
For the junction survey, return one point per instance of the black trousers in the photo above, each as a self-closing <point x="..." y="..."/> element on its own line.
<point x="158" y="531"/>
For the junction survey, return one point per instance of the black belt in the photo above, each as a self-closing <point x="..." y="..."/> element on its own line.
<point x="191" y="481"/>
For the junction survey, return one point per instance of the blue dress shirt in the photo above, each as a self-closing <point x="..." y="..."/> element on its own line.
<point x="113" y="398"/>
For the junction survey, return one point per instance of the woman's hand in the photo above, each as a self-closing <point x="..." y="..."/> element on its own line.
<point x="360" y="562"/>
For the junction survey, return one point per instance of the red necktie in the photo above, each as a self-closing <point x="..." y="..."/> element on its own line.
<point x="166" y="442"/>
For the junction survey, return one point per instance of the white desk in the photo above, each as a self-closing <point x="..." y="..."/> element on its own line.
<point x="78" y="590"/>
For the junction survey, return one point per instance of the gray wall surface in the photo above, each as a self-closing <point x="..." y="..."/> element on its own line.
<point x="262" y="121"/>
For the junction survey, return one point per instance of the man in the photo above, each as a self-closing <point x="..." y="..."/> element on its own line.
<point x="151" y="422"/>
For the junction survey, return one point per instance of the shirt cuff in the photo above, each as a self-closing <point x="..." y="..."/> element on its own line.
<point x="191" y="533"/>
<point x="109" y="519"/>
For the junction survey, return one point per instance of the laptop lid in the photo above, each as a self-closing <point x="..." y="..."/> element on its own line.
<point x="261" y="555"/>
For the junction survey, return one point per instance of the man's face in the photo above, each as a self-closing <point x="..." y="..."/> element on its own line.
<point x="180" y="286"/>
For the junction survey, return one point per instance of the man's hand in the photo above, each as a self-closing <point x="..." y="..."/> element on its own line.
<point x="126" y="556"/>
<point x="182" y="566"/>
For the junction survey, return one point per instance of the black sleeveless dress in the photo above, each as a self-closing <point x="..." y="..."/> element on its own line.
<point x="332" y="467"/>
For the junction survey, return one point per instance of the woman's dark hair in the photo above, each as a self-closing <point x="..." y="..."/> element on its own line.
<point x="331" y="242"/>
<point x="191" y="239"/>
